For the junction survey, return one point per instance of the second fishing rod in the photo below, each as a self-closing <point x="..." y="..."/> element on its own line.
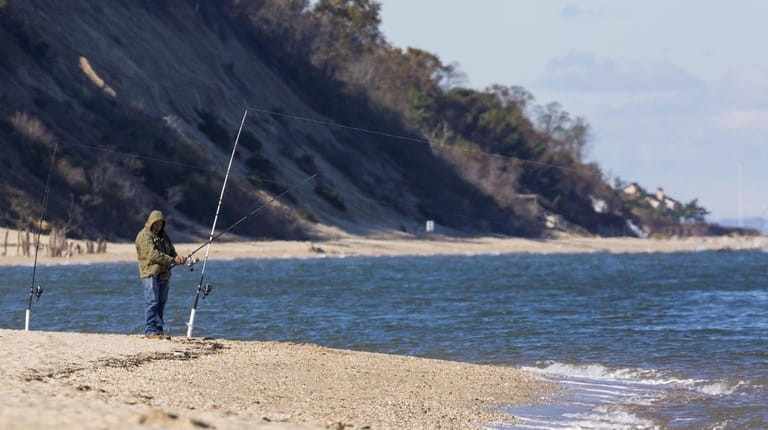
<point x="200" y="287"/>
<point x="190" y="262"/>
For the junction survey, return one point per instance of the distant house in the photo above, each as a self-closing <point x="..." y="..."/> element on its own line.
<point x="656" y="200"/>
<point x="667" y="203"/>
<point x="633" y="189"/>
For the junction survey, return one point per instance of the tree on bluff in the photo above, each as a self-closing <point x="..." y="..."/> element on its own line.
<point x="356" y="22"/>
<point x="345" y="30"/>
<point x="691" y="211"/>
<point x="560" y="131"/>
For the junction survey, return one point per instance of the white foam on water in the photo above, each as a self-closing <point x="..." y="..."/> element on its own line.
<point x="602" y="418"/>
<point x="719" y="388"/>
<point x="599" y="372"/>
<point x="633" y="379"/>
<point x="598" y="397"/>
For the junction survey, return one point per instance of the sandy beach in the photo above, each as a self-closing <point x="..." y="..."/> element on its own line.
<point x="393" y="244"/>
<point x="97" y="381"/>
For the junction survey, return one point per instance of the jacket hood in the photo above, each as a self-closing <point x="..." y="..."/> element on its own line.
<point x="153" y="217"/>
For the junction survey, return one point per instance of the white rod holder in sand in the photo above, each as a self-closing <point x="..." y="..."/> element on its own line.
<point x="26" y="321"/>
<point x="191" y="323"/>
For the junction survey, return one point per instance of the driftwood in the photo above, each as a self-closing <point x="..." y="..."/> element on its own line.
<point x="91" y="247"/>
<point x="58" y="245"/>
<point x="23" y="243"/>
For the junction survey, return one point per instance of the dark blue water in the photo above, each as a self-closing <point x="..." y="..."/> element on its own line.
<point x="675" y="341"/>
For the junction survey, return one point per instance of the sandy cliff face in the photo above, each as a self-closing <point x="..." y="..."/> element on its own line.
<point x="122" y="85"/>
<point x="158" y="58"/>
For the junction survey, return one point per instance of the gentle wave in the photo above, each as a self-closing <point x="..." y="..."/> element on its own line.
<point x="600" y="397"/>
<point x="598" y="372"/>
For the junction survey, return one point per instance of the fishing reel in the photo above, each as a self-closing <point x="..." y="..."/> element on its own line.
<point x="38" y="291"/>
<point x="191" y="263"/>
<point x="207" y="290"/>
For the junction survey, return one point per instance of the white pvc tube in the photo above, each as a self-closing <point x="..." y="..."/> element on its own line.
<point x="191" y="323"/>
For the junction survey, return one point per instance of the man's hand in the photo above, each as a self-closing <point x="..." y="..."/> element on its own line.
<point x="179" y="260"/>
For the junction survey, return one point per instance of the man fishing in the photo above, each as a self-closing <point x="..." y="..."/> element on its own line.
<point x="156" y="255"/>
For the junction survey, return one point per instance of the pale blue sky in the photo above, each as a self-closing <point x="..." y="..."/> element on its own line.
<point x="676" y="91"/>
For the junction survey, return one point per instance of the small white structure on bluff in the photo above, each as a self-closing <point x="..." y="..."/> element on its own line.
<point x="598" y="205"/>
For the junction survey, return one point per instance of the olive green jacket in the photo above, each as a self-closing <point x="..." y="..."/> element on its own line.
<point x="155" y="252"/>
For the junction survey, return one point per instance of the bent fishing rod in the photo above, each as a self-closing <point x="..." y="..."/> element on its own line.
<point x="36" y="290"/>
<point x="207" y="288"/>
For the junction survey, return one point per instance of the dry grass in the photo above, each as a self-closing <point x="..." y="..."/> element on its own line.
<point x="32" y="128"/>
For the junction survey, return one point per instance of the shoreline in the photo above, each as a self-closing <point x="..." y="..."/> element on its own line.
<point x="408" y="246"/>
<point x="90" y="381"/>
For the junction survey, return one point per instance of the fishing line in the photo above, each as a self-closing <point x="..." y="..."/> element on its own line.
<point x="415" y="139"/>
<point x="333" y="124"/>
<point x="431" y="212"/>
<point x="36" y="290"/>
<point x="207" y="288"/>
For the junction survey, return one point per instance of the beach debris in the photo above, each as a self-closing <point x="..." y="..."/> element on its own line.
<point x="315" y="249"/>
<point x="157" y="417"/>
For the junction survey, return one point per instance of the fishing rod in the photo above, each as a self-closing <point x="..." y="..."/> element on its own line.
<point x="207" y="288"/>
<point x="36" y="290"/>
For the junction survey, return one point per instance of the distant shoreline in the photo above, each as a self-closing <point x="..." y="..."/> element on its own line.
<point x="407" y="246"/>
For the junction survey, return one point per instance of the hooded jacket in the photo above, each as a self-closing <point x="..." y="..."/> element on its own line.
<point x="154" y="251"/>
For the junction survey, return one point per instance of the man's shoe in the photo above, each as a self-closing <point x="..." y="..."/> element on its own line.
<point x="158" y="336"/>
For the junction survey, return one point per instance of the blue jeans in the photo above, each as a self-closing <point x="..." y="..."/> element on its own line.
<point x="155" y="296"/>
